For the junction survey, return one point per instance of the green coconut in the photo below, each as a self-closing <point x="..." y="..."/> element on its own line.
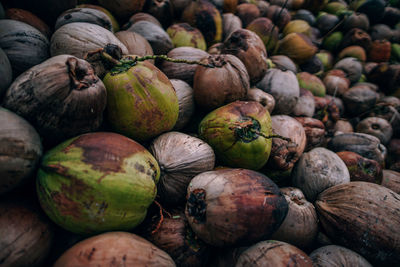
<point x="97" y="182"/>
<point x="182" y="34"/>
<point x="311" y="83"/>
<point x="332" y="41"/>
<point x="239" y="134"/>
<point x="141" y="101"/>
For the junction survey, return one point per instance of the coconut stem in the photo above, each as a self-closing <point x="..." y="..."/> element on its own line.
<point x="162" y="210"/>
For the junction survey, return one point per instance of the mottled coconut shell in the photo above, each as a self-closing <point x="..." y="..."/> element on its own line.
<point x="181" y="157"/>
<point x="184" y="72"/>
<point x="61" y="97"/>
<point x="135" y="43"/>
<point x="80" y="38"/>
<point x="284" y="87"/>
<point x="300" y="227"/>
<point x="20" y="150"/>
<point x="230" y="23"/>
<point x="186" y="102"/>
<point x="5" y="72"/>
<point x="250" y="49"/>
<point x="24" y="45"/>
<point x="297" y="47"/>
<point x="89" y="15"/>
<point x="272" y="253"/>
<point x="377" y="127"/>
<point x="318" y="170"/>
<point x="234" y="207"/>
<point x="114" y="248"/>
<point x="365" y="217"/>
<point x="26" y="235"/>
<point x="315" y="131"/>
<point x="228" y="81"/>
<point x="364" y="144"/>
<point x="155" y="35"/>
<point x="332" y="255"/>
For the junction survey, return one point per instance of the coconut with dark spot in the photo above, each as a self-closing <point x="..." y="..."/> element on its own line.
<point x="234" y="207"/>
<point x="97" y="182"/>
<point x="141" y="101"/>
<point x="239" y="133"/>
<point x="182" y="34"/>
<point x="360" y="168"/>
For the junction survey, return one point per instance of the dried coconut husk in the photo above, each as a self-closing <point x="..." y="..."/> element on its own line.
<point x="184" y="72"/>
<point x="89" y="15"/>
<point x="250" y="49"/>
<point x="79" y="94"/>
<point x="135" y="43"/>
<point x="273" y="253"/>
<point x="315" y="132"/>
<point x="114" y="248"/>
<point x="227" y="82"/>
<point x="181" y="157"/>
<point x="333" y="255"/>
<point x="365" y="217"/>
<point x="5" y="72"/>
<point x="230" y="23"/>
<point x="186" y="102"/>
<point x="300" y="227"/>
<point x="24" y="45"/>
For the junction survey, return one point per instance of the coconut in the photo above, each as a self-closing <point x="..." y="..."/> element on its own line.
<point x="24" y="45"/>
<point x="312" y="83"/>
<point x="23" y="229"/>
<point x="364" y="144"/>
<point x="204" y="16"/>
<point x="115" y="25"/>
<point x="128" y="249"/>
<point x="356" y="20"/>
<point x="305" y="104"/>
<point x="21" y="150"/>
<point x="359" y="100"/>
<point x="360" y="168"/>
<point x="5" y="72"/>
<point x="229" y="80"/>
<point x="247" y="12"/>
<point x="391" y="180"/>
<point x="89" y="15"/>
<point x="250" y="49"/>
<point x="181" y="157"/>
<point x="230" y="23"/>
<point x="365" y="217"/>
<point x="315" y="132"/>
<point x="297" y="25"/>
<point x="135" y="43"/>
<point x="184" y="72"/>
<point x="141" y="101"/>
<point x="141" y="16"/>
<point x="162" y="10"/>
<point x="284" y="87"/>
<point x="377" y="127"/>
<point x="159" y="39"/>
<point x="380" y="51"/>
<point x="69" y="82"/>
<point x="272" y="253"/>
<point x="182" y="34"/>
<point x="186" y="102"/>
<point x="239" y="133"/>
<point x="297" y="47"/>
<point x="280" y="16"/>
<point x="28" y="18"/>
<point x="175" y="237"/>
<point x="318" y="170"/>
<point x="122" y="8"/>
<point x="80" y="38"/>
<point x="265" y="99"/>
<point x="333" y="255"/>
<point x="300" y="226"/>
<point x="104" y="182"/>
<point x="265" y="29"/>
<point x="354" y="51"/>
<point x="284" y="63"/>
<point x="240" y="194"/>
<point x="284" y="153"/>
